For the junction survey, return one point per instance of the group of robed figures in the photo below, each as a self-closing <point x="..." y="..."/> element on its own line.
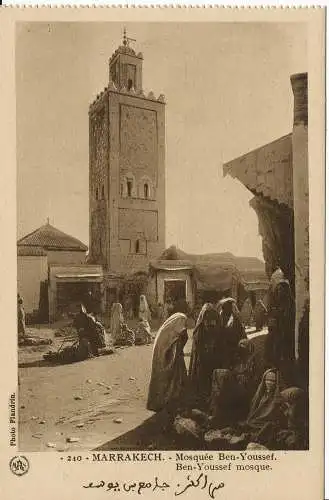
<point x="239" y="390"/>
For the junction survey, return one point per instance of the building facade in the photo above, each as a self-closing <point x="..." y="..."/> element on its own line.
<point x="53" y="277"/>
<point x="72" y="285"/>
<point x="32" y="276"/>
<point x="299" y="84"/>
<point x="277" y="175"/>
<point x="126" y="170"/>
<point x="197" y="279"/>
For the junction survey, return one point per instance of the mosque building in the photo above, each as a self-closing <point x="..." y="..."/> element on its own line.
<point x="126" y="172"/>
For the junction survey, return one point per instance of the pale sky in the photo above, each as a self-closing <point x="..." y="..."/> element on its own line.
<point x="227" y="88"/>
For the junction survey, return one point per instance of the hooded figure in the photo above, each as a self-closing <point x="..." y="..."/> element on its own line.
<point x="247" y="313"/>
<point x="88" y="345"/>
<point x="20" y="317"/>
<point x="81" y="322"/>
<point x="232" y="389"/>
<point x="245" y="373"/>
<point x="143" y="333"/>
<point x="117" y="321"/>
<point x="244" y="367"/>
<point x="265" y="414"/>
<point x="205" y="355"/>
<point x="160" y="312"/>
<point x="99" y="333"/>
<point x="224" y="398"/>
<point x="294" y="436"/>
<point x="260" y="314"/>
<point x="144" y="312"/>
<point x="279" y="345"/>
<point x="168" y="375"/>
<point x="120" y="333"/>
<point x="266" y="404"/>
<point x="232" y="329"/>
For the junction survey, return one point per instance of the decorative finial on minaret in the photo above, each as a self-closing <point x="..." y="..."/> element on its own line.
<point x="125" y="41"/>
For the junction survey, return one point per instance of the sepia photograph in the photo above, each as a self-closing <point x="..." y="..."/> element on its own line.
<point x="163" y="284"/>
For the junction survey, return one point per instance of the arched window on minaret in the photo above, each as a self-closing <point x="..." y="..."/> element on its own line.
<point x="97" y="193"/>
<point x="129" y="188"/>
<point x="126" y="71"/>
<point x="103" y="192"/>
<point x="137" y="246"/>
<point x="145" y="188"/>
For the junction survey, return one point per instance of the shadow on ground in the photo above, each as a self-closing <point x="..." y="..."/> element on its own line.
<point x="155" y="433"/>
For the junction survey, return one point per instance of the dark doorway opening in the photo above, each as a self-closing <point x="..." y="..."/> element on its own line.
<point x="174" y="290"/>
<point x="71" y="294"/>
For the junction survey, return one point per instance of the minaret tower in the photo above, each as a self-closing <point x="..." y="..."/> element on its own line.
<point x="126" y="168"/>
<point x="126" y="67"/>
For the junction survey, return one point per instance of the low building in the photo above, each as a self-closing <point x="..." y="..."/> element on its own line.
<point x="52" y="274"/>
<point x="32" y="277"/>
<point x="72" y="285"/>
<point x="205" y="278"/>
<point x="59" y="247"/>
<point x="171" y="280"/>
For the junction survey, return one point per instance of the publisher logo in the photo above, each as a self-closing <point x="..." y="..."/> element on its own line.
<point x="19" y="465"/>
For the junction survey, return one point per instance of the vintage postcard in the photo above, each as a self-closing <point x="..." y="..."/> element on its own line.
<point x="162" y="212"/>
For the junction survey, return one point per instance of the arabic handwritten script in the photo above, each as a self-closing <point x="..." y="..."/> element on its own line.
<point x="202" y="482"/>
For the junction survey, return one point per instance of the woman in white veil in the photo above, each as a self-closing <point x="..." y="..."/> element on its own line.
<point x="144" y="312"/>
<point x="169" y="376"/>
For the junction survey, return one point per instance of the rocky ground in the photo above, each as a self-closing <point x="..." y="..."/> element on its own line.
<point x="81" y="405"/>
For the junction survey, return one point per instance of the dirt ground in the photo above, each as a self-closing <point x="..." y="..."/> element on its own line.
<point x="81" y="400"/>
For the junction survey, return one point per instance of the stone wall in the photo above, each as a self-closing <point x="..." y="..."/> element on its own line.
<point x="276" y="227"/>
<point x="99" y="181"/>
<point x="301" y="195"/>
<point x="138" y="145"/>
<point x="66" y="257"/>
<point x="137" y="152"/>
<point x="138" y="223"/>
<point x="31" y="272"/>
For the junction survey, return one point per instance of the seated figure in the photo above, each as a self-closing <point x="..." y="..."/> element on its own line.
<point x="294" y="434"/>
<point x="121" y="334"/>
<point x="264" y="419"/>
<point x="143" y="333"/>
